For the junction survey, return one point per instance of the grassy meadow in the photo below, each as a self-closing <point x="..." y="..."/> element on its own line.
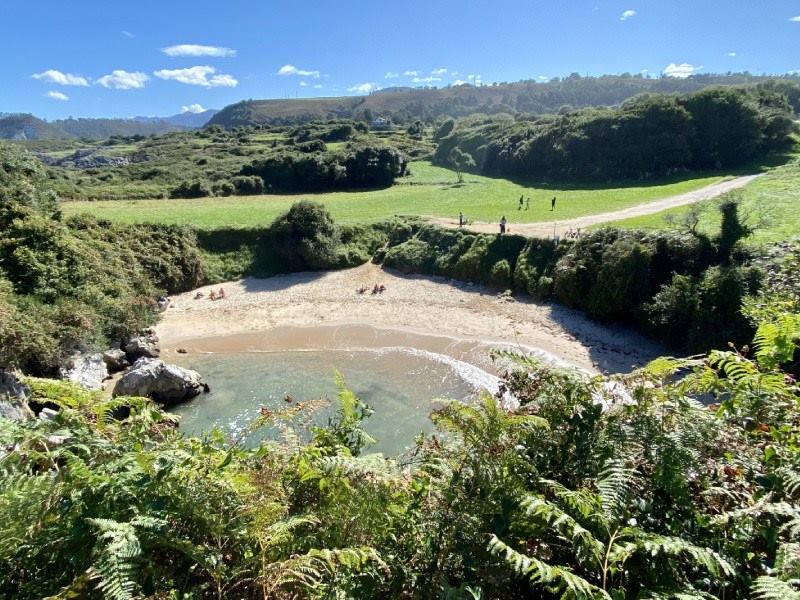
<point x="771" y="202"/>
<point x="430" y="191"/>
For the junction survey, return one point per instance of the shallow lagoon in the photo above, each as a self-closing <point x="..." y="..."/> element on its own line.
<point x="401" y="384"/>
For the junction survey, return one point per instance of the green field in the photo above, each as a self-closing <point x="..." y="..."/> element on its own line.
<point x="773" y="199"/>
<point x="429" y="191"/>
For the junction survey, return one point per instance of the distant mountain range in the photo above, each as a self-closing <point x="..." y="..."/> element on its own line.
<point x="29" y="127"/>
<point x="531" y="97"/>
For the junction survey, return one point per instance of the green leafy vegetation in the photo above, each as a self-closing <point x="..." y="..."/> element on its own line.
<point x="769" y="205"/>
<point x="215" y="162"/>
<point x="583" y="490"/>
<point x="406" y="105"/>
<point x="427" y="190"/>
<point x="646" y="136"/>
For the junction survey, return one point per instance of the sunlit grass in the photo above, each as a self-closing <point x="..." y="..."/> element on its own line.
<point x="430" y="190"/>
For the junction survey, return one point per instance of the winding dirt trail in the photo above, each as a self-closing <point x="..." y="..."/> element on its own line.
<point x="548" y="229"/>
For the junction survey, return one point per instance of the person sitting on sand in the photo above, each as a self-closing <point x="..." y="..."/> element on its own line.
<point x="212" y="295"/>
<point x="381" y="289"/>
<point x="198" y="295"/>
<point x="220" y="294"/>
<point x="376" y="289"/>
<point x="362" y="289"/>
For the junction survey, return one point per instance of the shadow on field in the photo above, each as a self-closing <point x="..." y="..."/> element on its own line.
<point x="761" y="165"/>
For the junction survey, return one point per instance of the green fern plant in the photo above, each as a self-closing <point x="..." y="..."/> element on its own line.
<point x="592" y="526"/>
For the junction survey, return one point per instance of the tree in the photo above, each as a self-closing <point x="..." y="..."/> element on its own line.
<point x="460" y="161"/>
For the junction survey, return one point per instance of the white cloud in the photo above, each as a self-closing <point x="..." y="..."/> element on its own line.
<point x="53" y="76"/>
<point x="292" y="70"/>
<point x="439" y="72"/>
<point x="123" y="80"/>
<point x="411" y="73"/>
<point x="795" y="19"/>
<point x="732" y="54"/>
<point x="459" y="82"/>
<point x="363" y="88"/>
<point x="303" y="84"/>
<point x="198" y="76"/>
<point x="427" y="80"/>
<point x="193" y="108"/>
<point x="127" y="34"/>
<point x="391" y="75"/>
<point x="57" y="96"/>
<point x="627" y="15"/>
<point x="681" y="71"/>
<point x="543" y="78"/>
<point x="317" y="86"/>
<point x="198" y="50"/>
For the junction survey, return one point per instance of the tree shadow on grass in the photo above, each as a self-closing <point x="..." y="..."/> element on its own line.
<point x="761" y="165"/>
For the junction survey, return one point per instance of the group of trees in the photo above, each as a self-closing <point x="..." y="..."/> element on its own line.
<point x="359" y="165"/>
<point x="646" y="136"/>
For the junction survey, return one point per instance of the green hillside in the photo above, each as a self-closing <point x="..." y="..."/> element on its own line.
<point x="525" y="96"/>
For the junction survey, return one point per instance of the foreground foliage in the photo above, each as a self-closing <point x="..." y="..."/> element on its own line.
<point x="592" y="488"/>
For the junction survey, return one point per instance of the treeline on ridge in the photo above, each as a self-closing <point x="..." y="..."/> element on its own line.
<point x="722" y="127"/>
<point x="404" y="105"/>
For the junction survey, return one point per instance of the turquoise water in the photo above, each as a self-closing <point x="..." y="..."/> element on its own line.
<point x="400" y="384"/>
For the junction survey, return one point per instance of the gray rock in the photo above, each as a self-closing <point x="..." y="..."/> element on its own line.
<point x="14" y="398"/>
<point x="142" y="345"/>
<point x="163" y="383"/>
<point x="87" y="370"/>
<point x="115" y="360"/>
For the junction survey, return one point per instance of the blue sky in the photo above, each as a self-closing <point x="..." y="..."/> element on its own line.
<point x="123" y="58"/>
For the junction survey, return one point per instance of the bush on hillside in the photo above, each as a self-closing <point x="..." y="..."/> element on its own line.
<point x="191" y="189"/>
<point x="306" y="237"/>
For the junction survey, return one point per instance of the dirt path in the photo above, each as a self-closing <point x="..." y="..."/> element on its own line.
<point x="547" y="230"/>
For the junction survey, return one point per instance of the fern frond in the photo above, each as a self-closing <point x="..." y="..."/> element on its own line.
<point x="772" y="588"/>
<point x="616" y="483"/>
<point x="553" y="578"/>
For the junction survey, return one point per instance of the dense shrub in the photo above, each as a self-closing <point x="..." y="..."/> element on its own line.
<point x="79" y="283"/>
<point x="306" y="237"/>
<point x="357" y="166"/>
<point x="646" y="136"/>
<point x="191" y="189"/>
<point x="248" y="185"/>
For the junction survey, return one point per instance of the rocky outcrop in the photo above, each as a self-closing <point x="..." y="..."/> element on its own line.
<point x="14" y="398"/>
<point x="142" y="345"/>
<point x="163" y="383"/>
<point x="89" y="371"/>
<point x="115" y="360"/>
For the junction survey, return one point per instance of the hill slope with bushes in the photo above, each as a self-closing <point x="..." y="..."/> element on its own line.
<point x="530" y="97"/>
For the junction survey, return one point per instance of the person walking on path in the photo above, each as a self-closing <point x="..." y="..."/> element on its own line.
<point x="553" y="203"/>
<point x="503" y="222"/>
<point x="460" y="219"/>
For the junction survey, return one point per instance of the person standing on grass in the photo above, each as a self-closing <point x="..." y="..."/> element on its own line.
<point x="503" y="222"/>
<point x="553" y="203"/>
<point x="521" y="199"/>
<point x="528" y="203"/>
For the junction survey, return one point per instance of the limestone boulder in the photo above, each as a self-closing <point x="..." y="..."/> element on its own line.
<point x="168" y="384"/>
<point x="14" y="398"/>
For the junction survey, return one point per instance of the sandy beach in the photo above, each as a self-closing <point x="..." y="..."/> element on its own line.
<point x="324" y="310"/>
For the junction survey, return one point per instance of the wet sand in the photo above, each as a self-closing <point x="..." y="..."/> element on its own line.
<point x="317" y="311"/>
